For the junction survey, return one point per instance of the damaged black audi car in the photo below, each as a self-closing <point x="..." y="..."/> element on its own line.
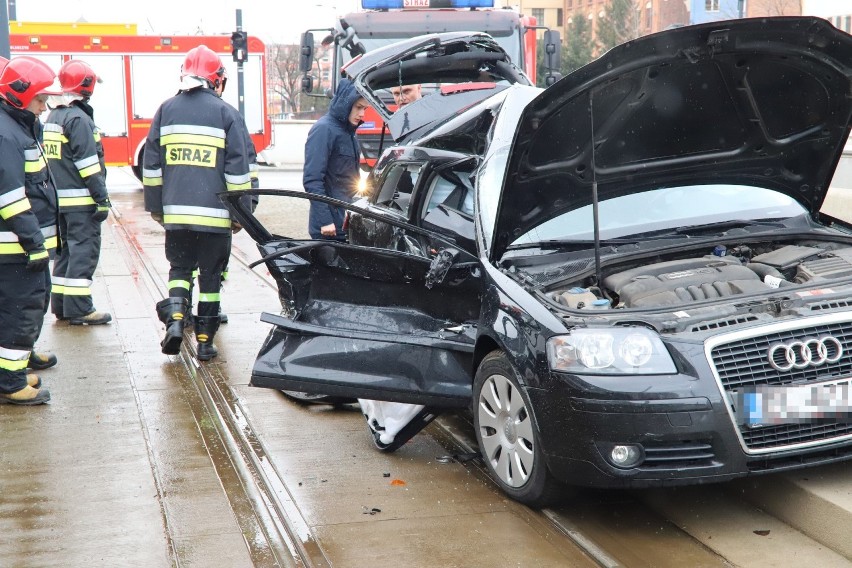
<point x="626" y="277"/>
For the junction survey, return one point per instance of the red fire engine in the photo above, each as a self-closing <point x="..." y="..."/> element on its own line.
<point x="139" y="73"/>
<point x="388" y="21"/>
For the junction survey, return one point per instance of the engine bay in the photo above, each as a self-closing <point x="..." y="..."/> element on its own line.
<point x="720" y="273"/>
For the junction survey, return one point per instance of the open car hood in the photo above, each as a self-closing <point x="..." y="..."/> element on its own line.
<point x="761" y="102"/>
<point x="443" y="58"/>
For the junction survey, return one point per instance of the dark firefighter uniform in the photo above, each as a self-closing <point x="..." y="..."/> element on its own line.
<point x="196" y="148"/>
<point x="72" y="143"/>
<point x="28" y="234"/>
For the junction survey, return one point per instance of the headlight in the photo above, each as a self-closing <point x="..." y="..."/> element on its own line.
<point x="363" y="186"/>
<point x="615" y="351"/>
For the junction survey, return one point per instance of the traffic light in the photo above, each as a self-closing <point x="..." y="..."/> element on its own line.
<point x="239" y="46"/>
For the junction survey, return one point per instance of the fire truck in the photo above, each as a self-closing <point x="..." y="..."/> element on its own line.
<point x="387" y="21"/>
<point x="139" y="73"/>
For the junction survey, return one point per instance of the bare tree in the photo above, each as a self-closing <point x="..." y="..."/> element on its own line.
<point x="285" y="77"/>
<point x="760" y="8"/>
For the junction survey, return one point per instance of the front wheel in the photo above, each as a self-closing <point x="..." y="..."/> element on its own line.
<point x="508" y="437"/>
<point x="137" y="167"/>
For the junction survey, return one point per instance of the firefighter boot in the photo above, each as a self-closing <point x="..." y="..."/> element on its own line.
<point x="205" y="331"/>
<point x="41" y="361"/>
<point x="27" y="396"/>
<point x="172" y="312"/>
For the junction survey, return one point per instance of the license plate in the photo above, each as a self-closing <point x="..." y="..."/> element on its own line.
<point x="799" y="404"/>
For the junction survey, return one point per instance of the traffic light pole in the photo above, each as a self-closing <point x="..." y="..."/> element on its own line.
<point x="241" y="99"/>
<point x="4" y="31"/>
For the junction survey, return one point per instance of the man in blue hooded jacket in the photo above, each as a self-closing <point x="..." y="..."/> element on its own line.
<point x="331" y="161"/>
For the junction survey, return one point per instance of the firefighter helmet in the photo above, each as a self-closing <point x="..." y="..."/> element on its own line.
<point x="25" y="77"/>
<point x="202" y="63"/>
<point x="78" y="77"/>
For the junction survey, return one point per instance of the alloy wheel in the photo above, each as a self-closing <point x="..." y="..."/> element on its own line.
<point x="506" y="431"/>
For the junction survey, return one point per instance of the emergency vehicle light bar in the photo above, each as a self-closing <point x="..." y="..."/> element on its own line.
<point x="395" y="4"/>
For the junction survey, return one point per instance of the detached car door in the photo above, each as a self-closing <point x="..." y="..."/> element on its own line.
<point x="364" y="321"/>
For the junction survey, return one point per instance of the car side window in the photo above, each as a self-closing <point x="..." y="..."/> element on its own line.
<point x="448" y="189"/>
<point x="398" y="186"/>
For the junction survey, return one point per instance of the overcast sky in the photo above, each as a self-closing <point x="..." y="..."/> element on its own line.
<point x="278" y="21"/>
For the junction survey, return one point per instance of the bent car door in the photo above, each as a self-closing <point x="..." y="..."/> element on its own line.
<point x="364" y="321"/>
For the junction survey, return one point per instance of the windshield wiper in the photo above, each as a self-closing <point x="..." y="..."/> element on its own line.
<point x="733" y="224"/>
<point x="638" y="238"/>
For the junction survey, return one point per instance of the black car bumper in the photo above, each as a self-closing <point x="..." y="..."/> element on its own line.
<point x="683" y="441"/>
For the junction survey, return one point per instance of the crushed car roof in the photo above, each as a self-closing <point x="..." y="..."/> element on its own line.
<point x="444" y="58"/>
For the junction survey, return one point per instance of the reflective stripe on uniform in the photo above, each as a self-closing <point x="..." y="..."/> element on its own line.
<point x="212" y="297"/>
<point x="196" y="220"/>
<point x="14" y="202"/>
<point x="34" y="164"/>
<point x="152" y="177"/>
<point x="179" y="284"/>
<point x="192" y="134"/>
<point x="53" y="140"/>
<point x="50" y="238"/>
<point x="97" y="136"/>
<point x="54" y="136"/>
<point x="74" y="196"/>
<point x="191" y="215"/>
<point x="14" y="359"/>
<point x="192" y="129"/>
<point x="9" y="243"/>
<point x="51" y="128"/>
<point x="71" y="286"/>
<point x="88" y="166"/>
<point x="235" y="182"/>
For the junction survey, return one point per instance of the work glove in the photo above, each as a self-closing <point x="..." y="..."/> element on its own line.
<point x="102" y="212"/>
<point x="37" y="259"/>
<point x="158" y="217"/>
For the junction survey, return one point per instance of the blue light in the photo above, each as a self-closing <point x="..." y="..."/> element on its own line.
<point x="411" y="4"/>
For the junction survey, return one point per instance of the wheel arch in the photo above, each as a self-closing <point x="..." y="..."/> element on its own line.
<point x="138" y="158"/>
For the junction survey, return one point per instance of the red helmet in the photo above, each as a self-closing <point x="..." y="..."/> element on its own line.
<point x="3" y="62"/>
<point x="203" y="63"/>
<point x="78" y="77"/>
<point x="25" y="77"/>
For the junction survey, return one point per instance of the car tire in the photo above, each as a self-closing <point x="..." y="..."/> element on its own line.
<point x="508" y="436"/>
<point x="317" y="398"/>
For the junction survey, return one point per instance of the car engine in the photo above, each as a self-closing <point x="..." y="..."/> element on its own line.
<point x="724" y="273"/>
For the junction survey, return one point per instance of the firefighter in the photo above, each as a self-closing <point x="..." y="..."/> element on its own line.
<point x="28" y="225"/>
<point x="197" y="147"/>
<point x="72" y="143"/>
<point x="39" y="361"/>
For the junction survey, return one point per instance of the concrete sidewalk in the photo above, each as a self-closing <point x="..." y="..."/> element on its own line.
<point x="128" y="467"/>
<point x="113" y="472"/>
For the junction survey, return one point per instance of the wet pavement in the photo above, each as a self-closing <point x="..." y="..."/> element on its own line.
<point x="142" y="459"/>
<point x="130" y="465"/>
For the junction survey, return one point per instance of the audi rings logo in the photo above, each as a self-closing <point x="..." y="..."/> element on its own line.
<point x="806" y="353"/>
